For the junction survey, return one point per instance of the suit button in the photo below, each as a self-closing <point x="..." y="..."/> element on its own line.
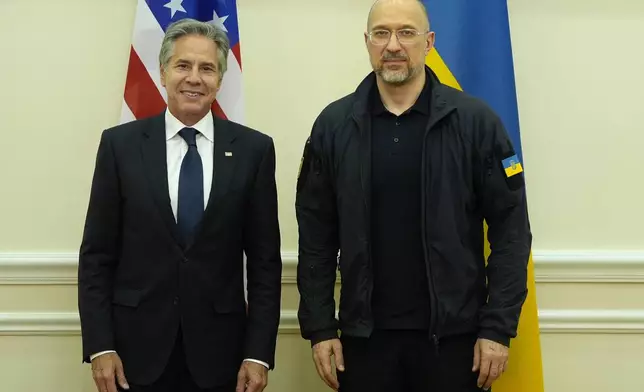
<point x="185" y="259"/>
<point x="176" y="300"/>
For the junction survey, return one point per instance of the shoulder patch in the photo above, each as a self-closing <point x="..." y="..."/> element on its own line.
<point x="512" y="166"/>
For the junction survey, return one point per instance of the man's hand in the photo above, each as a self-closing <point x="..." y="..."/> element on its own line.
<point x="105" y="368"/>
<point x="252" y="377"/>
<point x="322" y="353"/>
<point x="490" y="359"/>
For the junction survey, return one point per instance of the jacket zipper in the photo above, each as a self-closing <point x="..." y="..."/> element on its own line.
<point x="367" y="228"/>
<point x="367" y="212"/>
<point x="430" y="278"/>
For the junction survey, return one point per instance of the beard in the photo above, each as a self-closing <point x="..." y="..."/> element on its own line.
<point x="396" y="76"/>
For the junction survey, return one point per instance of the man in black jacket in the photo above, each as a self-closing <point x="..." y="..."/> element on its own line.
<point x="399" y="177"/>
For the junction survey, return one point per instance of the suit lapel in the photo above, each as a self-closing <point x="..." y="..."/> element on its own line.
<point x="224" y="163"/>
<point x="153" y="150"/>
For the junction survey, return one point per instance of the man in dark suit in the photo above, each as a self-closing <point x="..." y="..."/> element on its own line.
<point x="176" y="201"/>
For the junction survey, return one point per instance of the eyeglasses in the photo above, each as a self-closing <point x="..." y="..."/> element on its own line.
<point x="405" y="36"/>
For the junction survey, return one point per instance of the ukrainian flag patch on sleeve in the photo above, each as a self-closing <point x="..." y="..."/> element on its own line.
<point x="512" y="166"/>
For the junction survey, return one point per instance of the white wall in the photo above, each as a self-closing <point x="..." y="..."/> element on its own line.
<point x="578" y="70"/>
<point x="579" y="81"/>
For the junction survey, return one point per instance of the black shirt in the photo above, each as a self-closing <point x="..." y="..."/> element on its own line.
<point x="400" y="296"/>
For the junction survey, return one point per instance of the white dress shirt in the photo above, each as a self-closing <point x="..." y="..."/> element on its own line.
<point x="176" y="149"/>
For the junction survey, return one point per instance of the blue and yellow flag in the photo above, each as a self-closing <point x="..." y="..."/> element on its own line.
<point x="473" y="53"/>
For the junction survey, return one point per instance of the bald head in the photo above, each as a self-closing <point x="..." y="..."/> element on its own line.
<point x="382" y="6"/>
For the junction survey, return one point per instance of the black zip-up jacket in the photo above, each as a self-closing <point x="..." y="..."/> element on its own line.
<point x="464" y="184"/>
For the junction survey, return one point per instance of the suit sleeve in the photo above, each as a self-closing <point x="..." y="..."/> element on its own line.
<point x="506" y="213"/>
<point x="316" y="214"/>
<point x="264" y="263"/>
<point x="98" y="254"/>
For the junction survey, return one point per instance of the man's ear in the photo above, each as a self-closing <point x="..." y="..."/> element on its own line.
<point x="429" y="43"/>
<point x="162" y="71"/>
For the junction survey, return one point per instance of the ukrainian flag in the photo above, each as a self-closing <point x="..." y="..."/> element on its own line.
<point x="512" y="166"/>
<point x="473" y="53"/>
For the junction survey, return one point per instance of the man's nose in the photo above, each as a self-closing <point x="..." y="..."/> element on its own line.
<point x="393" y="45"/>
<point x="194" y="77"/>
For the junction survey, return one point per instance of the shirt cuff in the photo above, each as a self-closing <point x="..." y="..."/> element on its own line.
<point x="91" y="358"/>
<point x="257" y="361"/>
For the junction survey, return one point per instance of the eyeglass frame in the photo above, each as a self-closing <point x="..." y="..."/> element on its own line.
<point x="396" y="31"/>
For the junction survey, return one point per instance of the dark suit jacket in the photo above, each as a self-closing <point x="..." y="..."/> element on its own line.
<point x="137" y="282"/>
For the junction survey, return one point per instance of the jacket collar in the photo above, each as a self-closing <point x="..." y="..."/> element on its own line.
<point x="439" y="105"/>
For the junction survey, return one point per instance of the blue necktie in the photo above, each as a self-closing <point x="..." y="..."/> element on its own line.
<point x="191" y="195"/>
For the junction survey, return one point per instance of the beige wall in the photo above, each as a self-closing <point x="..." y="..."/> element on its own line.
<point x="579" y="81"/>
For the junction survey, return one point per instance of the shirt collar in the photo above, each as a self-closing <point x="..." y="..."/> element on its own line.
<point x="205" y="126"/>
<point x="421" y="105"/>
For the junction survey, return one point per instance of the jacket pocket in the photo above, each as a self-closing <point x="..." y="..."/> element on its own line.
<point x="127" y="297"/>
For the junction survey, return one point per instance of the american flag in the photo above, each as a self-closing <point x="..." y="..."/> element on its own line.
<point x="144" y="96"/>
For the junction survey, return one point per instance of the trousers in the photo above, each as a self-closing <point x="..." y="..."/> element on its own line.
<point x="396" y="360"/>
<point x="176" y="376"/>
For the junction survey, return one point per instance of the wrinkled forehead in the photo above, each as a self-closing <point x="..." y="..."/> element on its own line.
<point x="397" y="14"/>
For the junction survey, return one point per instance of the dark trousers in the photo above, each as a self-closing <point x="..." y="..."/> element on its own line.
<point x="392" y="361"/>
<point x="176" y="377"/>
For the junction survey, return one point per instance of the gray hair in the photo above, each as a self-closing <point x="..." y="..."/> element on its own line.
<point x="188" y="26"/>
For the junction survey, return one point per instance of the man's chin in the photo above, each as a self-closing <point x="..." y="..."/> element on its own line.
<point x="399" y="76"/>
<point x="189" y="112"/>
<point x="194" y="108"/>
<point x="395" y="77"/>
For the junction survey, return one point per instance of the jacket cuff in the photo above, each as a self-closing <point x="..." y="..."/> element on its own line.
<point x="494" y="336"/>
<point x="321" y="336"/>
